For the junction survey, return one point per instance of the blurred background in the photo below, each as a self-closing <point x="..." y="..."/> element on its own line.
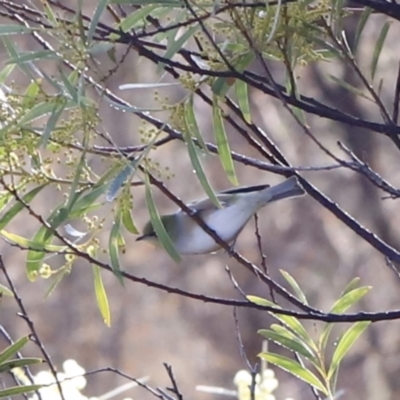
<point x="151" y="327"/>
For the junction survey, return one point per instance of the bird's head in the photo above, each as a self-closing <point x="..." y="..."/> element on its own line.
<point x="170" y="223"/>
<point x="149" y="234"/>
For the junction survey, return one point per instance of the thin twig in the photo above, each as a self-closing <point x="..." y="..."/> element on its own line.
<point x="31" y="326"/>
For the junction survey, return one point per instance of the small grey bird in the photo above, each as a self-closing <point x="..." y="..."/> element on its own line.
<point x="237" y="207"/>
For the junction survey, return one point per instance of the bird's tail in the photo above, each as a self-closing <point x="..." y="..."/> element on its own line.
<point x="289" y="188"/>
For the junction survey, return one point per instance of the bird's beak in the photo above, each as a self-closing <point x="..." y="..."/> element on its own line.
<point x="141" y="238"/>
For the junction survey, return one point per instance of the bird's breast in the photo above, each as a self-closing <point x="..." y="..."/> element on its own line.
<point x="227" y="222"/>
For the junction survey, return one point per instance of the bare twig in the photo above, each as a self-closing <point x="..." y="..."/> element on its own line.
<point x="31" y="326"/>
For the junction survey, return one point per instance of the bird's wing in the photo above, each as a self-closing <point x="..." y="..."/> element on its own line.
<point x="207" y="205"/>
<point x="245" y="189"/>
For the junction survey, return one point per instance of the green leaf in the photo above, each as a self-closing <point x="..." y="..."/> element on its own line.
<point x="337" y="16"/>
<point x="158" y="226"/>
<point x="7" y="366"/>
<point x="222" y="143"/>
<point x="73" y="191"/>
<point x="85" y="202"/>
<point x="40" y="110"/>
<point x="101" y="6"/>
<point x="294" y="285"/>
<point x="295" y="325"/>
<point x="50" y="14"/>
<point x="101" y="295"/>
<point x="30" y="244"/>
<point x="361" y="25"/>
<point x="56" y="279"/>
<point x="14" y="29"/>
<point x="350" y="298"/>
<point x="127" y="220"/>
<point x="243" y="99"/>
<point x="32" y="90"/>
<point x="6" y="198"/>
<point x="28" y="56"/>
<point x="345" y="342"/>
<point x="261" y="301"/>
<point x="70" y="85"/>
<point x="176" y="45"/>
<point x="191" y="124"/>
<point x="14" y="348"/>
<point x="352" y="89"/>
<point x="378" y="47"/>
<point x="291" y="322"/>
<point x="51" y="122"/>
<point x="351" y="286"/>
<point x="222" y="85"/>
<point x="13" y="52"/>
<point x="16" y="390"/>
<point x="17" y="207"/>
<point x="120" y="179"/>
<point x="5" y="72"/>
<point x="113" y="248"/>
<point x="194" y="158"/>
<point x="43" y="237"/>
<point x="295" y="369"/>
<point x="292" y="344"/>
<point x="137" y="18"/>
<point x="5" y="291"/>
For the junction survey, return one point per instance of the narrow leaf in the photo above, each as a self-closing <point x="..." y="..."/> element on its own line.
<point x="25" y="57"/>
<point x="261" y="301"/>
<point x="194" y="158"/>
<point x="101" y="296"/>
<point x="30" y="244"/>
<point x="14" y="348"/>
<point x="101" y="5"/>
<point x="16" y="390"/>
<point x="137" y="18"/>
<point x="113" y="248"/>
<point x="352" y="89"/>
<point x="350" y="298"/>
<point x="345" y="342"/>
<point x="127" y="220"/>
<point x="295" y="369"/>
<point x="294" y="285"/>
<point x="13" y="52"/>
<point x="295" y="325"/>
<point x="361" y="25"/>
<point x="158" y="226"/>
<point x="17" y="207"/>
<point x="378" y="47"/>
<point x="7" y="366"/>
<point x="119" y="180"/>
<point x="13" y="29"/>
<point x="351" y="286"/>
<point x="243" y="99"/>
<point x="177" y="45"/>
<point x="222" y="143"/>
<point x="51" y="122"/>
<point x="293" y="345"/>
<point x="5" y="291"/>
<point x="191" y="124"/>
